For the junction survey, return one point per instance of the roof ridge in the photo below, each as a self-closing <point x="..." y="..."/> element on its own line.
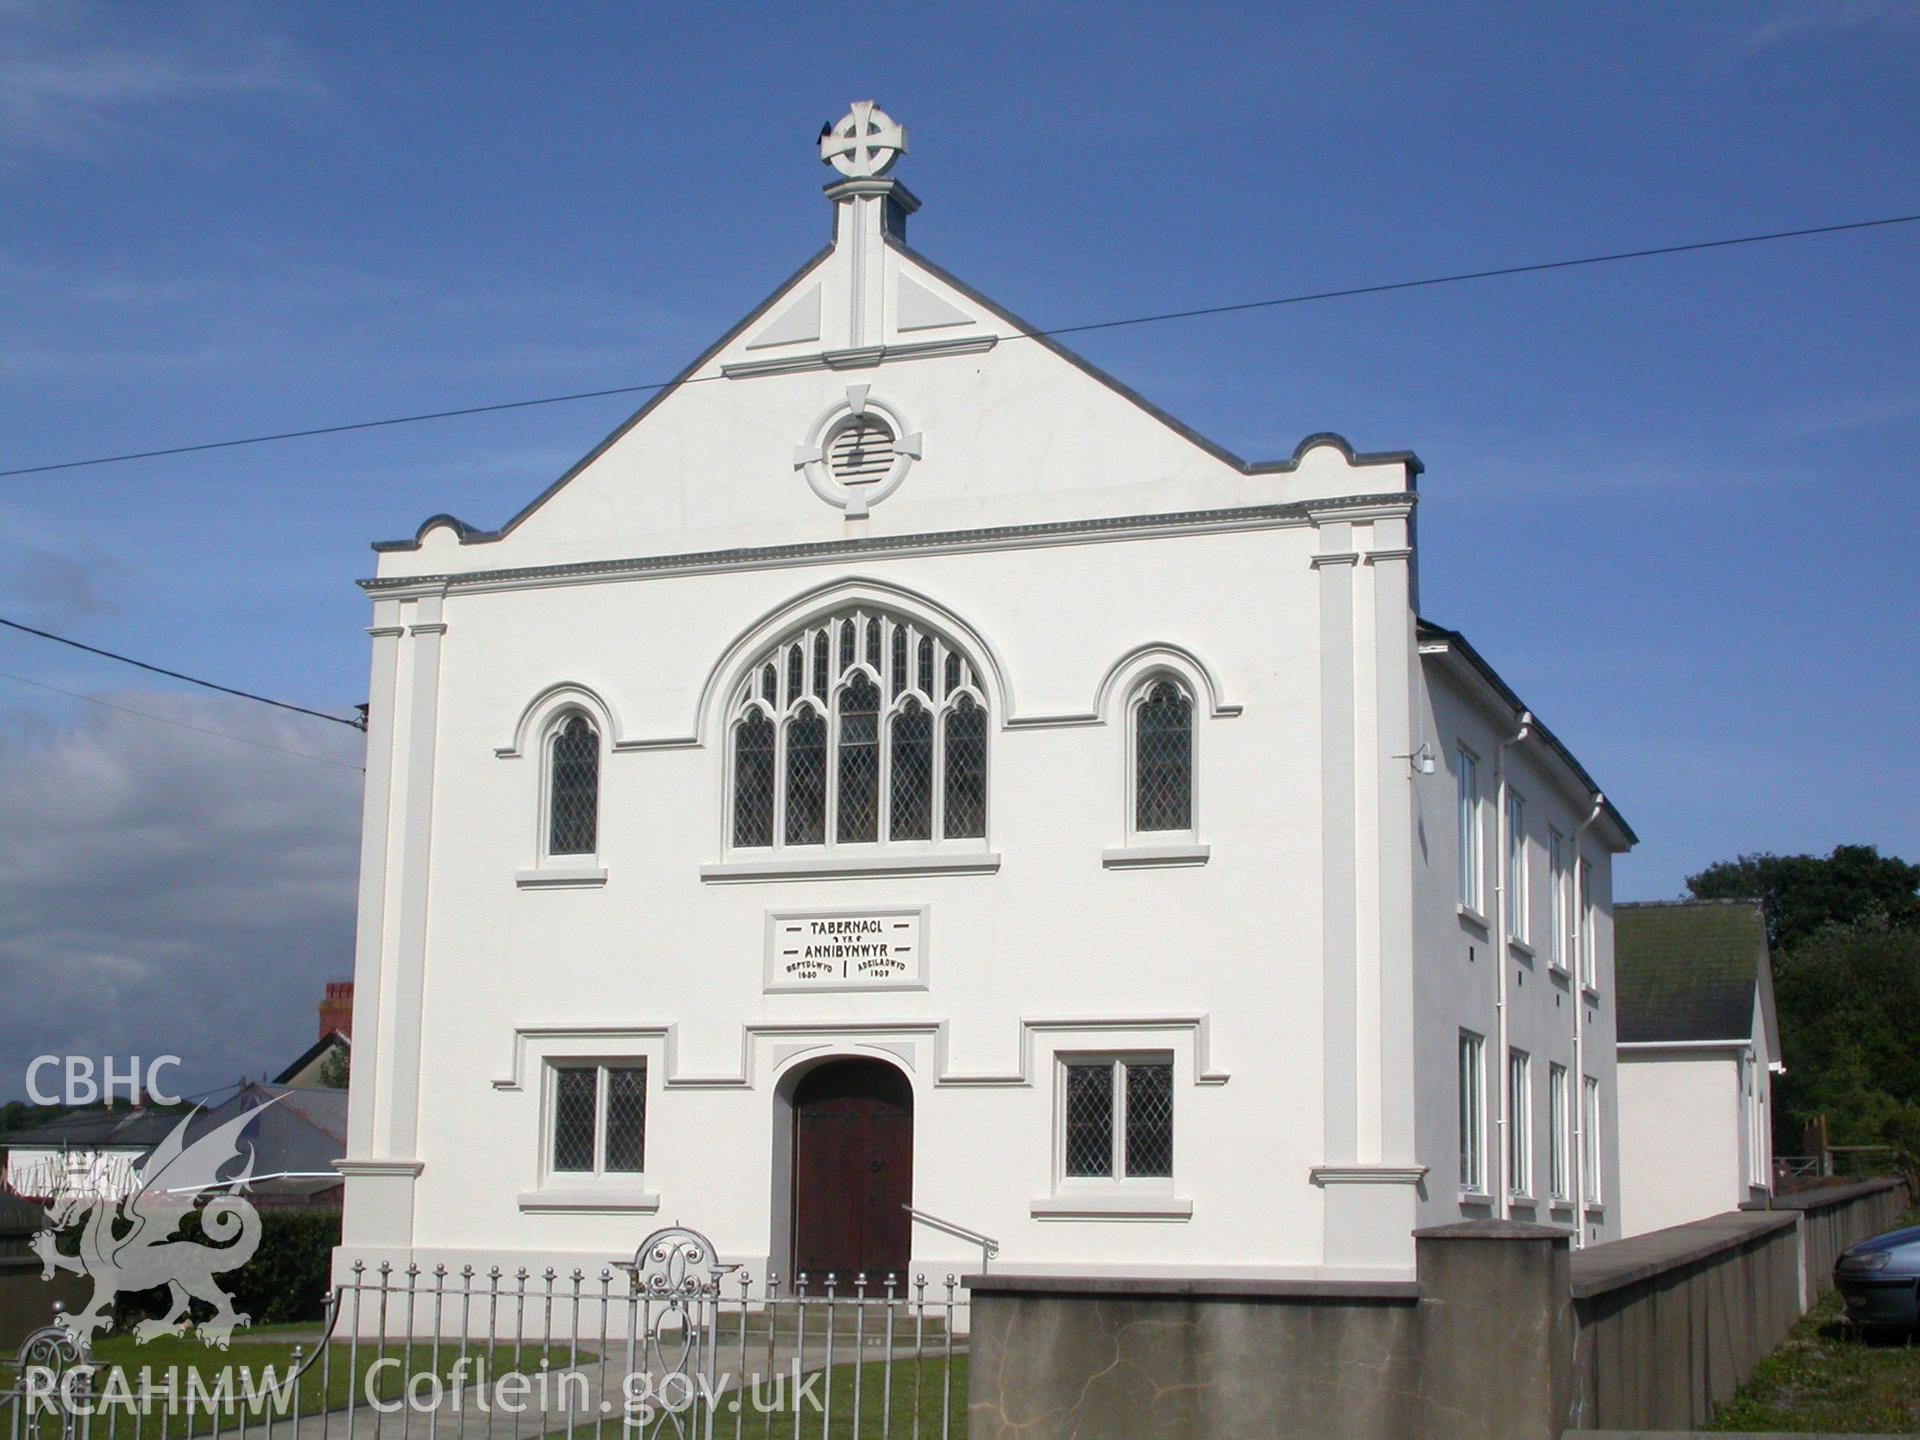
<point x="1676" y="904"/>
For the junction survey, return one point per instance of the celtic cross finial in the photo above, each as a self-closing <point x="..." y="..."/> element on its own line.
<point x="865" y="143"/>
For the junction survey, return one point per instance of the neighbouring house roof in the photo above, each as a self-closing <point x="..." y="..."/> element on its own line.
<point x="312" y="1054"/>
<point x="1688" y="970"/>
<point x="93" y="1129"/>
<point x="300" y="1131"/>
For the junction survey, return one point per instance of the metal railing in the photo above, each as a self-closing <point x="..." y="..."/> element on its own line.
<point x="989" y="1247"/>
<point x="670" y="1343"/>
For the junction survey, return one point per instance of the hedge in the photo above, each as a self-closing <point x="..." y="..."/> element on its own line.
<point x="285" y="1281"/>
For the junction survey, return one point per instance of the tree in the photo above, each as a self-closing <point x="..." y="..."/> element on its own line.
<point x="335" y="1067"/>
<point x="1807" y="893"/>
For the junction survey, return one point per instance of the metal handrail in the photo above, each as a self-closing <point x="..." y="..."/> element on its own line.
<point x="989" y="1247"/>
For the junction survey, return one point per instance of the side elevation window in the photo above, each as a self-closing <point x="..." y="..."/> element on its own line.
<point x="1590" y="1137"/>
<point x="1519" y="1124"/>
<point x="860" y="729"/>
<point x="1561" y="881"/>
<point x="1558" y="1156"/>
<point x="1589" y="971"/>
<point x="573" y="788"/>
<point x="1468" y="774"/>
<point x="1473" y="1120"/>
<point x="1117" y="1120"/>
<point x="598" y="1119"/>
<point x="1519" y="876"/>
<point x="1163" y="758"/>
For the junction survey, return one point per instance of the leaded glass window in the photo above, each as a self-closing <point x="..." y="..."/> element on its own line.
<point x="966" y="770"/>
<point x="859" y="729"/>
<point x="574" y="1102"/>
<point x="754" y="770"/>
<point x="806" y="778"/>
<point x="1163" y="759"/>
<point x="859" y="762"/>
<point x="1149" y="1120"/>
<point x="573" y="788"/>
<point x="599" y="1118"/>
<point x="626" y="1137"/>
<point x="1089" y="1120"/>
<point x="1118" y="1121"/>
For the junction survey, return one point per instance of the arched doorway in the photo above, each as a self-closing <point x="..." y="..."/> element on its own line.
<point x="852" y="1171"/>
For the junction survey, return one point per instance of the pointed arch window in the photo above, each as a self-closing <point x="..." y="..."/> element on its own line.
<point x="862" y="728"/>
<point x="573" y="787"/>
<point x="1163" y="758"/>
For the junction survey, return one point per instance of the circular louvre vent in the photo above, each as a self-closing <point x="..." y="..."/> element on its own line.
<point x="861" y="451"/>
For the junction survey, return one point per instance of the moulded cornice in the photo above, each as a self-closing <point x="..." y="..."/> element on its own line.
<point x="998" y="537"/>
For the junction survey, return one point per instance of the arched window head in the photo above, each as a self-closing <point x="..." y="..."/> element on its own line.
<point x="573" y="788"/>
<point x="860" y="728"/>
<point x="1163" y="758"/>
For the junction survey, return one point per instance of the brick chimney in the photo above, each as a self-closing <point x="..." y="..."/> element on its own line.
<point x="336" y="1011"/>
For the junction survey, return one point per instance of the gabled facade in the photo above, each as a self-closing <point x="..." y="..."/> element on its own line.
<point x="1699" y="1047"/>
<point x="900" y="767"/>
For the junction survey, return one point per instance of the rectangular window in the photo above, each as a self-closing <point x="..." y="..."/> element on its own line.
<point x="598" y="1120"/>
<point x="1590" y="1137"/>
<point x="1558" y="1155"/>
<point x="1519" y="1125"/>
<point x="1473" y="1160"/>
<point x="1469" y="778"/>
<point x="1589" y="975"/>
<point x="1118" y="1121"/>
<point x="1519" y="911"/>
<point x="1561" y="883"/>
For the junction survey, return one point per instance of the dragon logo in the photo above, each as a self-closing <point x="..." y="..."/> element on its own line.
<point x="134" y="1244"/>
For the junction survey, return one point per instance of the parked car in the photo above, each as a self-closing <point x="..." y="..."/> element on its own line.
<point x="1880" y="1279"/>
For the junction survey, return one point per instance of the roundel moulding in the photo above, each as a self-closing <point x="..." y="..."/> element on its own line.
<point x="857" y="451"/>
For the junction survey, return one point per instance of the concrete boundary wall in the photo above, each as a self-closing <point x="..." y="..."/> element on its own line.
<point x="1507" y="1333"/>
<point x="1834" y="1217"/>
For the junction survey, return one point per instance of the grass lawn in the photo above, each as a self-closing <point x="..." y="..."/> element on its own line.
<point x="255" y="1354"/>
<point x="912" y="1392"/>
<point x="1827" y="1376"/>
<point x="926" y="1388"/>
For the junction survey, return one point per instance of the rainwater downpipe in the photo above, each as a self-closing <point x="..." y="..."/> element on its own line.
<point x="1577" y="972"/>
<point x="1504" y="1195"/>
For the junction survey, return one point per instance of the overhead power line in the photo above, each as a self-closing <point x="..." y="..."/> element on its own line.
<point x="179" y="724"/>
<point x="1346" y="292"/>
<point x="177" y="675"/>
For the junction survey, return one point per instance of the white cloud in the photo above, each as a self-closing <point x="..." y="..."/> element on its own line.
<point x="170" y="892"/>
<point x="1789" y="22"/>
<point x="72" y="88"/>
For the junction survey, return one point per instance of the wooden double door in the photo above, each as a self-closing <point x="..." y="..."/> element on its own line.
<point x="852" y="1173"/>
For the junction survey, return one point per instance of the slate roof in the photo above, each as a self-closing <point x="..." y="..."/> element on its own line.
<point x="303" y="1134"/>
<point x="1687" y="969"/>
<point x="96" y="1129"/>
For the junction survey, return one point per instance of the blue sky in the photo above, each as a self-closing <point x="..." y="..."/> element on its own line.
<point x="1671" y="500"/>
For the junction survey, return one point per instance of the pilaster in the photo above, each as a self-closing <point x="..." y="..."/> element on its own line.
<point x="365" y="1091"/>
<point x="425" y="635"/>
<point x="390" y="945"/>
<point x="1335" y="564"/>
